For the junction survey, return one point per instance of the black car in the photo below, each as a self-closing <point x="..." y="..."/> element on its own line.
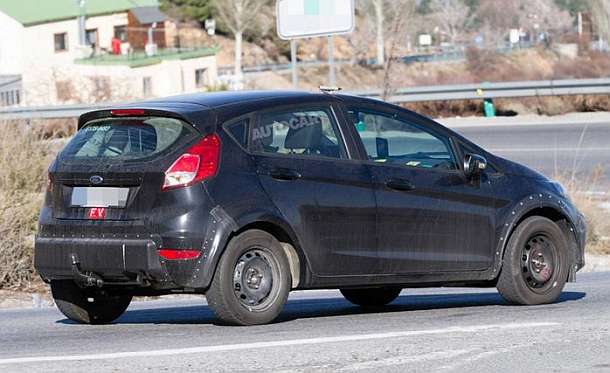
<point x="244" y="196"/>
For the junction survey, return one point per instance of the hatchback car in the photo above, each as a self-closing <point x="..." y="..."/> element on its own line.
<point x="245" y="196"/>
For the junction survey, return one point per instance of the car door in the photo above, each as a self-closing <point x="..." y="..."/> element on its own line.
<point x="304" y="165"/>
<point x="429" y="217"/>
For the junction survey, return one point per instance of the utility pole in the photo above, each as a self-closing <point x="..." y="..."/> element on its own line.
<point x="293" y="60"/>
<point x="332" y="77"/>
<point x="82" y="34"/>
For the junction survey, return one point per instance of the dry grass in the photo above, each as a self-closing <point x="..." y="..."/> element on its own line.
<point x="24" y="160"/>
<point x="598" y="219"/>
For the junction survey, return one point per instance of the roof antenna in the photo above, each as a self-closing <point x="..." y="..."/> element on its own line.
<point x="328" y="89"/>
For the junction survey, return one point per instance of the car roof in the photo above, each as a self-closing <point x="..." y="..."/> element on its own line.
<point x="195" y="107"/>
<point x="216" y="99"/>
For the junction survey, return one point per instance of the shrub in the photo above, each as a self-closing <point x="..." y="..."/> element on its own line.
<point x="24" y="159"/>
<point x="598" y="219"/>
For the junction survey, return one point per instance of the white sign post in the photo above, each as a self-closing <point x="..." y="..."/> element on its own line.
<point x="309" y="18"/>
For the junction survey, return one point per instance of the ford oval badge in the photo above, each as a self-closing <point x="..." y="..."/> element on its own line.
<point x="95" y="179"/>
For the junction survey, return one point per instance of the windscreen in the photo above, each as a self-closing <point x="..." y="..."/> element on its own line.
<point x="127" y="138"/>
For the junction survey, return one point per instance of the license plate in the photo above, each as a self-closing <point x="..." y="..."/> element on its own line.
<point x="97" y="213"/>
<point x="99" y="197"/>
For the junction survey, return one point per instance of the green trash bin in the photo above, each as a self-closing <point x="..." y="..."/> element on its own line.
<point x="360" y="126"/>
<point x="488" y="108"/>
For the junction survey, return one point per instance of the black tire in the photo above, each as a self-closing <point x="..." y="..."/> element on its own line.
<point x="88" y="307"/>
<point x="371" y="297"/>
<point x="252" y="280"/>
<point x="536" y="263"/>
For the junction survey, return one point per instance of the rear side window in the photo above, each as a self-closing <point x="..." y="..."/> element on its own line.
<point x="297" y="132"/>
<point x="127" y="138"/>
<point x="239" y="131"/>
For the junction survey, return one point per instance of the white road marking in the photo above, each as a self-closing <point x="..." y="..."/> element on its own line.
<point x="524" y="150"/>
<point x="270" y="344"/>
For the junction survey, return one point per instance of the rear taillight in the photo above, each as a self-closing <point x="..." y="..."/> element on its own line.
<point x="198" y="163"/>
<point x="180" y="254"/>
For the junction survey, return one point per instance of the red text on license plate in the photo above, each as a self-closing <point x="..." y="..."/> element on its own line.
<point x="97" y="213"/>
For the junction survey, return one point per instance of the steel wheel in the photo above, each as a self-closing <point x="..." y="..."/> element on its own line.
<point x="536" y="263"/>
<point x="539" y="261"/>
<point x="253" y="279"/>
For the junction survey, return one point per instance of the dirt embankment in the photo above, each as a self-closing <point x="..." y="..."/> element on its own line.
<point x="478" y="67"/>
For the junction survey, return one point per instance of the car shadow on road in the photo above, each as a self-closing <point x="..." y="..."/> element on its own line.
<point x="327" y="307"/>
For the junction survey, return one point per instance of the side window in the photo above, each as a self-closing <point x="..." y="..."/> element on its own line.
<point x="239" y="131"/>
<point x="301" y="132"/>
<point x="394" y="141"/>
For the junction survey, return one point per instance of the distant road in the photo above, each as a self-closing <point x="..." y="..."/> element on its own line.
<point x="550" y="148"/>
<point x="425" y="330"/>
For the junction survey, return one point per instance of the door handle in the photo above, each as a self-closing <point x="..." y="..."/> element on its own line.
<point x="284" y="174"/>
<point x="400" y="185"/>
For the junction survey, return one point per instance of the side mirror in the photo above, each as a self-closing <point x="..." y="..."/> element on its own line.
<point x="474" y="165"/>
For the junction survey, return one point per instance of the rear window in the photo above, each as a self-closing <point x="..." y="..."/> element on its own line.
<point x="127" y="138"/>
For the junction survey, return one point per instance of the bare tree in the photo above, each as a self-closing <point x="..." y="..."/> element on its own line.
<point x="375" y="14"/>
<point x="544" y="16"/>
<point x="379" y="22"/>
<point x="451" y="16"/>
<point x="601" y="15"/>
<point x="402" y="10"/>
<point x="238" y="16"/>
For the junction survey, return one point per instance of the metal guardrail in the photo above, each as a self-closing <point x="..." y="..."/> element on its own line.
<point x="495" y="90"/>
<point x="403" y="95"/>
<point x="49" y="112"/>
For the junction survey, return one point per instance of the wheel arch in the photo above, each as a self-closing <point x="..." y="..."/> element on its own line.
<point x="549" y="210"/>
<point x="299" y="268"/>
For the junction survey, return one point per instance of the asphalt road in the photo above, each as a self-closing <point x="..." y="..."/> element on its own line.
<point x="449" y="330"/>
<point x="553" y="149"/>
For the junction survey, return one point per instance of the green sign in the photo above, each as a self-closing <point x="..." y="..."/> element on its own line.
<point x="312" y="7"/>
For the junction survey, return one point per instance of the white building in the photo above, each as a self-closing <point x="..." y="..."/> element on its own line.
<point x="45" y="61"/>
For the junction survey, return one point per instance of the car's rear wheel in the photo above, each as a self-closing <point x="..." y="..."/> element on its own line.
<point x="252" y="280"/>
<point x="371" y="297"/>
<point x="536" y="263"/>
<point x="85" y="306"/>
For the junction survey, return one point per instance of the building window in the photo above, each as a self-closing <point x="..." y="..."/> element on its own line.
<point x="61" y="42"/>
<point x="200" y="78"/>
<point x="10" y="98"/>
<point x="147" y="86"/>
<point x="120" y="32"/>
<point x="91" y="37"/>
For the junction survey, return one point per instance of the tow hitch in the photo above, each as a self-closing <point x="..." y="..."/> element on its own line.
<point x="90" y="279"/>
<point x="87" y="279"/>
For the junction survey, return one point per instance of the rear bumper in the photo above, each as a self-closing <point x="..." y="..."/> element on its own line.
<point x="127" y="258"/>
<point x="117" y="259"/>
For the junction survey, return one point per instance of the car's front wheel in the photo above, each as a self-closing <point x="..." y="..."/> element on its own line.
<point x="371" y="297"/>
<point x="88" y="307"/>
<point x="536" y="263"/>
<point x="252" y="280"/>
